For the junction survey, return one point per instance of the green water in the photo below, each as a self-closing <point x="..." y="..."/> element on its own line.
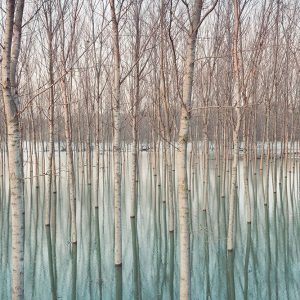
<point x="264" y="265"/>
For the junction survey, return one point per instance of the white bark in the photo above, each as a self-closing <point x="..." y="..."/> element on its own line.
<point x="236" y="99"/>
<point x="206" y="159"/>
<point x="135" y="111"/>
<point x="10" y="53"/>
<point x="134" y="179"/>
<point x="116" y="140"/>
<point x="233" y="184"/>
<point x="170" y="190"/>
<point x="246" y="175"/>
<point x="70" y="162"/>
<point x="51" y="121"/>
<point x="167" y="124"/>
<point x="181" y="159"/>
<point x="223" y="188"/>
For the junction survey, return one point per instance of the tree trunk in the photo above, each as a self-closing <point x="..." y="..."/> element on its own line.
<point x="181" y="160"/>
<point x="10" y="54"/>
<point x="116" y="139"/>
<point x="236" y="101"/>
<point x="70" y="162"/>
<point x="135" y="112"/>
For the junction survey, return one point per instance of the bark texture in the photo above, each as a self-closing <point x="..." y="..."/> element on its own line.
<point x="181" y="161"/>
<point x="116" y="139"/>
<point x="237" y="103"/>
<point x="10" y="54"/>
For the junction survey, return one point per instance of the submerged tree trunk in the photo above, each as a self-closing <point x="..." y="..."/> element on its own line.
<point x="181" y="160"/>
<point x="135" y="112"/>
<point x="236" y="102"/>
<point x="48" y="204"/>
<point x="70" y="161"/>
<point x="10" y="54"/>
<point x="116" y="140"/>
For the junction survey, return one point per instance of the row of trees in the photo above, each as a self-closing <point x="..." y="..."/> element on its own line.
<point x="92" y="74"/>
<point x="269" y="67"/>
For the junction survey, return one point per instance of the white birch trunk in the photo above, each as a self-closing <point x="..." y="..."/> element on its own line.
<point x="10" y="54"/>
<point x="135" y="111"/>
<point x="181" y="159"/>
<point x="116" y="139"/>
<point x="134" y="181"/>
<point x="206" y="161"/>
<point x="170" y="190"/>
<point x="70" y="162"/>
<point x="236" y="100"/>
<point x="51" y="128"/>
<point x="233" y="183"/>
<point x="246" y="175"/>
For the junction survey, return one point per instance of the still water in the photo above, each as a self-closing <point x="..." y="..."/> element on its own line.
<point x="264" y="265"/>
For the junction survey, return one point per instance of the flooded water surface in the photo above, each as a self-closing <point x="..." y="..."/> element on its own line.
<point x="264" y="264"/>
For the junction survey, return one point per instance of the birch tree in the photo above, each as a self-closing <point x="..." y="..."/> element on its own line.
<point x="117" y="131"/>
<point x="135" y="109"/>
<point x="10" y="55"/>
<point x="50" y="30"/>
<point x="237" y="102"/>
<point x="181" y="159"/>
<point x="67" y="56"/>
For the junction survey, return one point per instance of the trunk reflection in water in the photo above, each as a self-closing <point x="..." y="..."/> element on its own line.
<point x="263" y="264"/>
